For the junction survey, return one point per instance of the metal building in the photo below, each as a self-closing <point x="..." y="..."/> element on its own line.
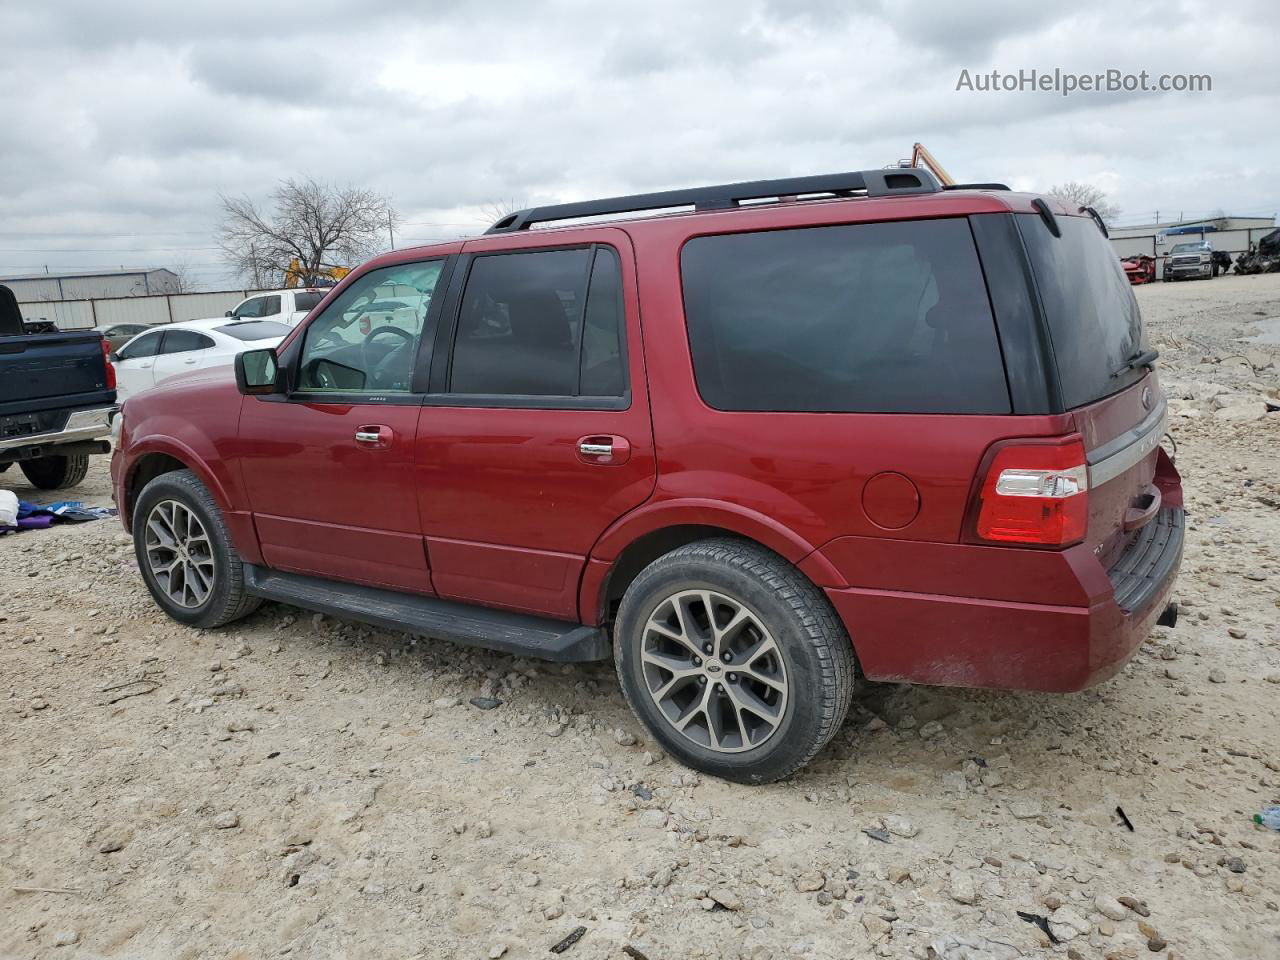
<point x="84" y="286"/>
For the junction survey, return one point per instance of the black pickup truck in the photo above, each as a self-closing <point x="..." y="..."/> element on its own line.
<point x="57" y="394"/>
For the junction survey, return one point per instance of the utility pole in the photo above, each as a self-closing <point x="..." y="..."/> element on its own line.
<point x="391" y="230"/>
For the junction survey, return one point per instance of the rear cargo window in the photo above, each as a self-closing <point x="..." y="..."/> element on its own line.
<point x="1093" y="318"/>
<point x="880" y="318"/>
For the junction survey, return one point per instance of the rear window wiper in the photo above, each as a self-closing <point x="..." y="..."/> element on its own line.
<point x="1145" y="359"/>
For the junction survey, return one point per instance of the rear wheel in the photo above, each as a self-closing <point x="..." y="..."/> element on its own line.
<point x="56" y="473"/>
<point x="733" y="660"/>
<point x="185" y="553"/>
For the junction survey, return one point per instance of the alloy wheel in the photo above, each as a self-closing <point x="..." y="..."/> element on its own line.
<point x="179" y="553"/>
<point x="714" y="671"/>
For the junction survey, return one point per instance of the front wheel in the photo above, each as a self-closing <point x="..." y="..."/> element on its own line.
<point x="734" y="661"/>
<point x="185" y="553"/>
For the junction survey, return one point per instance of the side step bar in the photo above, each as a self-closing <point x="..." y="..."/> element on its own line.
<point x="516" y="633"/>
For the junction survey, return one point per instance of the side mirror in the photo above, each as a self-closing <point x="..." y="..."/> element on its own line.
<point x="113" y="357"/>
<point x="256" y="372"/>
<point x="229" y="313"/>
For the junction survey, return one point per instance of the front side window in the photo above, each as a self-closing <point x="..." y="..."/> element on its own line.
<point x="251" y="308"/>
<point x="546" y="323"/>
<point x="366" y="341"/>
<point x="147" y="345"/>
<point x="875" y="318"/>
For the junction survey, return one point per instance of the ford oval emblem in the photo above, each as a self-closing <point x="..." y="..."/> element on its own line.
<point x="1146" y="398"/>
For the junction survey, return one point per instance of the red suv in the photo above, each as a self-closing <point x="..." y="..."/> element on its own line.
<point x="801" y="431"/>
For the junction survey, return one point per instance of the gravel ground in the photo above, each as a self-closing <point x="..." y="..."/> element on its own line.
<point x="293" y="785"/>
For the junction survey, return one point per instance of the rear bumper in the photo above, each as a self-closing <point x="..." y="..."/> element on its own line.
<point x="947" y="640"/>
<point x="92" y="424"/>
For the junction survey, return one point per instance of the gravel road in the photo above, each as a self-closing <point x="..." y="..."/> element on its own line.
<point x="298" y="786"/>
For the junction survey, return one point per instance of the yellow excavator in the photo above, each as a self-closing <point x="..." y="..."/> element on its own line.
<point x="922" y="158"/>
<point x="326" y="276"/>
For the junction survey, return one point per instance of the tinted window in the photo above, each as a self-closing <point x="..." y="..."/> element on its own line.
<point x="180" y="341"/>
<point x="366" y="340"/>
<point x="520" y="328"/>
<point x="147" y="345"/>
<point x="252" y="308"/>
<point x="602" y="330"/>
<point x="270" y="306"/>
<point x="305" y="301"/>
<point x="1094" y="323"/>
<point x="885" y="317"/>
<point x="254" y="329"/>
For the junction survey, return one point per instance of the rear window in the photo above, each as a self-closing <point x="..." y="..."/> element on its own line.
<point x="254" y="329"/>
<point x="305" y="301"/>
<point x="1093" y="318"/>
<point x="879" y="318"/>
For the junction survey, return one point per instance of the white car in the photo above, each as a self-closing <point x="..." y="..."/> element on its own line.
<point x="174" y="348"/>
<point x="286" y="306"/>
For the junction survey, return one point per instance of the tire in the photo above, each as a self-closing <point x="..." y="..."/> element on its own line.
<point x="56" y="473"/>
<point x="215" y="590"/>
<point x="811" y="657"/>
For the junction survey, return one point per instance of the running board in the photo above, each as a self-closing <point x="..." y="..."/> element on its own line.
<point x="517" y="633"/>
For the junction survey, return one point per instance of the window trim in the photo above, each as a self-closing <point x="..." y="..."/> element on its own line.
<point x="441" y="368"/>
<point x="292" y="364"/>
<point x="164" y="341"/>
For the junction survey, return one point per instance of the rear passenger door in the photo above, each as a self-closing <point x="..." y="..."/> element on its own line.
<point x="181" y="351"/>
<point x="535" y="435"/>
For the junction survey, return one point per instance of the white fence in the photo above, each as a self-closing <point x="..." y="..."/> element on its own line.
<point x="164" y="308"/>
<point x="1234" y="242"/>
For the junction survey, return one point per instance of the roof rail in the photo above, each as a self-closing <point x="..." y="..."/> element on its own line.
<point x="872" y="183"/>
<point x="976" y="186"/>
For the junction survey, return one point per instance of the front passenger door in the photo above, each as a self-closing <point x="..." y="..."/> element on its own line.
<point x="181" y="351"/>
<point x="329" y="467"/>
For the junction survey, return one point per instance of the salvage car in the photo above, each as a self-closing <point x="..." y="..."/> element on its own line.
<point x="871" y="428"/>
<point x="165" y="351"/>
<point x="57" y="394"/>
<point x="1190" y="261"/>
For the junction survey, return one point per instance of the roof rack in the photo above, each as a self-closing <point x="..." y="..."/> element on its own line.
<point x="976" y="186"/>
<point x="871" y="183"/>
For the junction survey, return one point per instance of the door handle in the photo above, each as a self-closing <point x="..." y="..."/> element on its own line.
<point x="607" y="450"/>
<point x="192" y="360"/>
<point x="374" y="435"/>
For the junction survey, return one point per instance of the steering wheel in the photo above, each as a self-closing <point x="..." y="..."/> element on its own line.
<point x="377" y="332"/>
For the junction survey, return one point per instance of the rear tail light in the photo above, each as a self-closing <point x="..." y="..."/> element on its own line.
<point x="1035" y="493"/>
<point x="106" y="362"/>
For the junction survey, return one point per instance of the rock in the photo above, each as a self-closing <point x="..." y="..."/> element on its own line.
<point x="113" y="839"/>
<point x="1217" y="676"/>
<point x="1235" y="865"/>
<point x="1066" y="924"/>
<point x="875" y="926"/>
<point x="1156" y="944"/>
<point x="445" y="702"/>
<point x="624" y="739"/>
<point x="931" y="729"/>
<point x="1137" y="906"/>
<point x="1236" y="633"/>
<point x="726" y="898"/>
<point x="226" y="821"/>
<point x="900" y="826"/>
<point x="809" y="882"/>
<point x="1110" y="907"/>
<point x="66" y="938"/>
<point x="553" y="729"/>
<point x="1026" y="809"/>
<point x="654" y="818"/>
<point x="242" y="725"/>
<point x="824" y="898"/>
<point x="899" y="874"/>
<point x="497" y="950"/>
<point x="1242" y="411"/>
<point x="486" y="703"/>
<point x="962" y="888"/>
<point x="954" y="947"/>
<point x="482" y="829"/>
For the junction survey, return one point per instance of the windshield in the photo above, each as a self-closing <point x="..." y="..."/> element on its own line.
<point x="1093" y="318"/>
<point x="254" y="330"/>
<point x="1189" y="248"/>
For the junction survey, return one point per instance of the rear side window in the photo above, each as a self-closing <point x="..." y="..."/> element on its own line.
<point x="181" y="341"/>
<point x="1093" y="318"/>
<point x="542" y="324"/>
<point x="305" y="301"/>
<point x="876" y="318"/>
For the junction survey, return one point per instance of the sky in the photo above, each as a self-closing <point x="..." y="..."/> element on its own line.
<point x="121" y="124"/>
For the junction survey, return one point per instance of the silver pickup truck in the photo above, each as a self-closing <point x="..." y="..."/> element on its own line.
<point x="57" y="395"/>
<point x="1190" y="261"/>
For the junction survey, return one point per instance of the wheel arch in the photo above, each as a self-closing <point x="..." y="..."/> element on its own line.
<point x="641" y="537"/>
<point x="158" y="458"/>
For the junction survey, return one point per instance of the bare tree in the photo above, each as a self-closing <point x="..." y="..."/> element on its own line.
<point x="184" y="279"/>
<point x="1074" y="194"/>
<point x="314" y="223"/>
<point x="496" y="210"/>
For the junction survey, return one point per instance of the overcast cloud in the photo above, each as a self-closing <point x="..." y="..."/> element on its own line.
<point x="122" y="123"/>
